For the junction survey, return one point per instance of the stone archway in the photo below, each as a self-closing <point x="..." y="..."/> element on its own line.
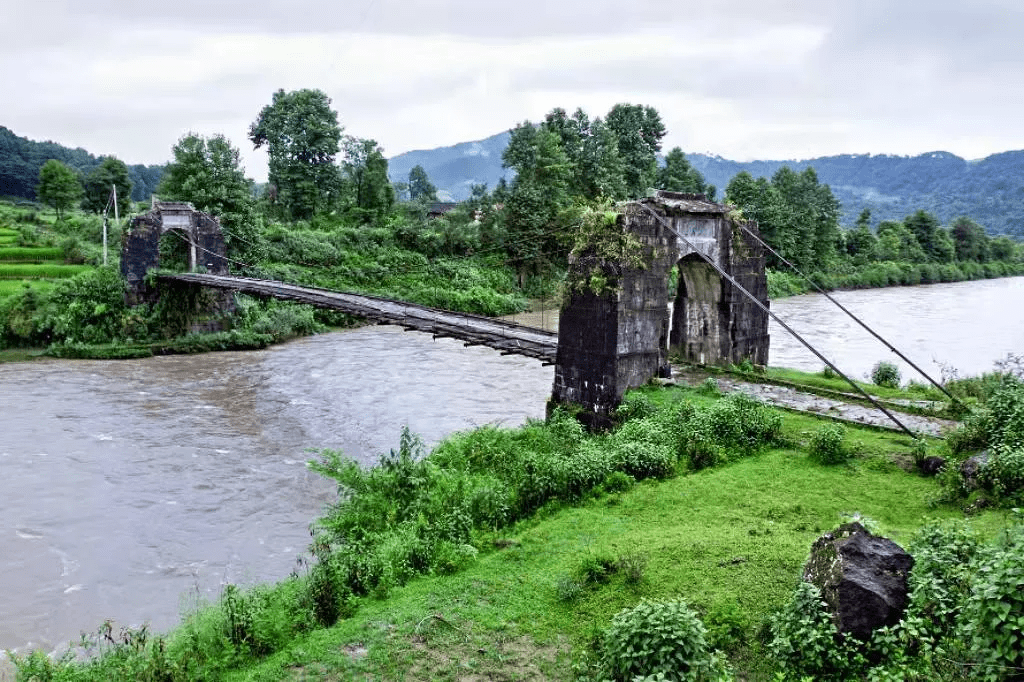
<point x="616" y="340"/>
<point x="698" y="316"/>
<point x="140" y="245"/>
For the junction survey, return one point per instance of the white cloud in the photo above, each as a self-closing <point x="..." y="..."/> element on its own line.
<point x="779" y="79"/>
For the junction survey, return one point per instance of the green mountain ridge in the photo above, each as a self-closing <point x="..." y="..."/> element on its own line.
<point x="21" y="159"/>
<point x="988" y="190"/>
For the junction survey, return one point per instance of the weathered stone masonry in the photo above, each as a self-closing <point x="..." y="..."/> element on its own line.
<point x="140" y="245"/>
<point x="618" y="340"/>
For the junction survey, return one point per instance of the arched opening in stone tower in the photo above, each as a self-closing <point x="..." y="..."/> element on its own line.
<point x="175" y="251"/>
<point x="698" y="322"/>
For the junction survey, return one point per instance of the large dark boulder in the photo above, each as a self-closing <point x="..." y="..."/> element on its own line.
<point x="862" y="577"/>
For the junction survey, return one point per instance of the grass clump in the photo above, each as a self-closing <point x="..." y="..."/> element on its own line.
<point x="827" y="446"/>
<point x="885" y="374"/>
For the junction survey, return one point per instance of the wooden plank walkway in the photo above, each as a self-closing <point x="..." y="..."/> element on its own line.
<point x="474" y="330"/>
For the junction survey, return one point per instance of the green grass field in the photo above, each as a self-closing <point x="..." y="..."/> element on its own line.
<point x="30" y="254"/>
<point x="13" y="286"/>
<point x="41" y="271"/>
<point x="730" y="540"/>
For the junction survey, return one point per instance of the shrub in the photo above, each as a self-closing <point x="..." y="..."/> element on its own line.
<point x="635" y="405"/>
<point x="644" y="460"/>
<point x="618" y="482"/>
<point x="885" y="374"/>
<point x="1003" y="474"/>
<point x="827" y="447"/>
<point x="655" y="637"/>
<point x="941" y="579"/>
<point x="994" y="613"/>
<point x="804" y="641"/>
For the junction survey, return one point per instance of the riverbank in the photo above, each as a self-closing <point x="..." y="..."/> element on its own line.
<point x="591" y="525"/>
<point x="782" y="284"/>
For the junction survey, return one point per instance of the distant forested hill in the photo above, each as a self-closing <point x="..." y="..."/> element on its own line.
<point x="454" y="170"/>
<point x="21" y="159"/>
<point x="991" y="191"/>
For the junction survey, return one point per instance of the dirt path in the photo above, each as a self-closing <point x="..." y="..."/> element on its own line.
<point x="791" y="398"/>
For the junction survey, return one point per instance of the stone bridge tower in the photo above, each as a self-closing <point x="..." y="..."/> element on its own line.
<point x="140" y="245"/>
<point x="620" y="339"/>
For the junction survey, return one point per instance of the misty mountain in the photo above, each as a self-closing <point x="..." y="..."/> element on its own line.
<point x="989" y="190"/>
<point x="454" y="170"/>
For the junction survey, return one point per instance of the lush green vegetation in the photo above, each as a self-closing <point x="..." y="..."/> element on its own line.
<point x="891" y="187"/>
<point x="510" y="552"/>
<point x="799" y="218"/>
<point x="21" y="161"/>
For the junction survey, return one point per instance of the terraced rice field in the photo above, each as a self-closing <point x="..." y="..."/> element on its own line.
<point x="36" y="266"/>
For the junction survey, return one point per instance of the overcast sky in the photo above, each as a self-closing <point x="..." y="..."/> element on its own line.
<point x="746" y="79"/>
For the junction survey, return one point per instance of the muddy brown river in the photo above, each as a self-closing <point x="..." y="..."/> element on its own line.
<point x="131" y="490"/>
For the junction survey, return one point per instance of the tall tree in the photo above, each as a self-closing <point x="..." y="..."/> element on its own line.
<point x="678" y="175"/>
<point x="100" y="182"/>
<point x="925" y="227"/>
<point x="58" y="186"/>
<point x="896" y="242"/>
<point x="420" y="187"/>
<point x="969" y="240"/>
<point x="302" y="136"/>
<point x="639" y="130"/>
<point x="600" y="171"/>
<point x="208" y="173"/>
<point x="367" y="191"/>
<point x="537" y="198"/>
<point x="760" y="201"/>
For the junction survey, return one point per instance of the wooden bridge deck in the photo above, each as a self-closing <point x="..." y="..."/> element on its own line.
<point x="509" y="338"/>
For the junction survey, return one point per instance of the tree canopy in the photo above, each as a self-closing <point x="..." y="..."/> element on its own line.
<point x="638" y="130"/>
<point x="208" y="173"/>
<point x="365" y="188"/>
<point x="59" y="186"/>
<point x="420" y="187"/>
<point x="99" y="183"/>
<point x="302" y="136"/>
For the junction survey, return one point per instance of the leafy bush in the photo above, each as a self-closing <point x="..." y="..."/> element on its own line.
<point x="635" y="405"/>
<point x="655" y="637"/>
<point x="618" y="482"/>
<point x="827" y="447"/>
<point x="88" y="307"/>
<point x="993" y="615"/>
<point x="804" y="641"/>
<point x="1003" y="474"/>
<point x="736" y="426"/>
<point x="885" y="374"/>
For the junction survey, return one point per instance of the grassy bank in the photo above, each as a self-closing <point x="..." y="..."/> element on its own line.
<point x="889" y="274"/>
<point x="505" y="553"/>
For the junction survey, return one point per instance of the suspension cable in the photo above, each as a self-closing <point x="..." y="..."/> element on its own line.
<point x="852" y="316"/>
<point x="775" y="317"/>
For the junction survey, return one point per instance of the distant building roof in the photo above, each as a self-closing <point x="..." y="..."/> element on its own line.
<point x="681" y="201"/>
